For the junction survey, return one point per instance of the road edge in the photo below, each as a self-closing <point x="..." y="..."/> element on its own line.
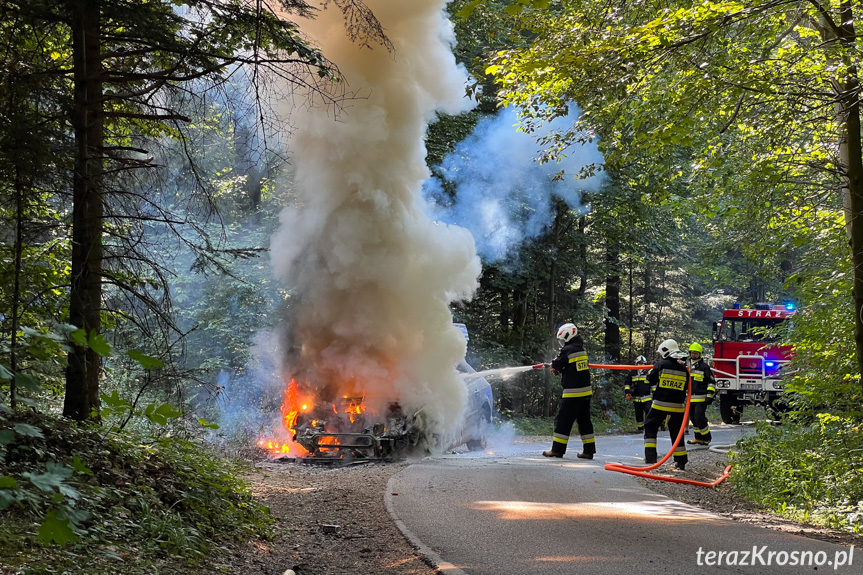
<point x="428" y="554"/>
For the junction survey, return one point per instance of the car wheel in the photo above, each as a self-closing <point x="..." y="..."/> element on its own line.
<point x="478" y="443"/>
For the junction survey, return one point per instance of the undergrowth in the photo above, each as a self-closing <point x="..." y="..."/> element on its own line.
<point x="808" y="473"/>
<point x="81" y="500"/>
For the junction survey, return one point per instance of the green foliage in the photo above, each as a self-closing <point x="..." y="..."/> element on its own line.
<point x="715" y="111"/>
<point x="811" y="473"/>
<point x="146" y="361"/>
<point x="62" y="521"/>
<point x="533" y="425"/>
<point x="121" y="408"/>
<point x="155" y="500"/>
<point x="824" y="374"/>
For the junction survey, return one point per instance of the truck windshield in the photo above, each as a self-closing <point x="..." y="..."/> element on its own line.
<point x="745" y="330"/>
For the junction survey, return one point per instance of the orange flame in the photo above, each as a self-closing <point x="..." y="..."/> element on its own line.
<point x="291" y="409"/>
<point x="298" y="403"/>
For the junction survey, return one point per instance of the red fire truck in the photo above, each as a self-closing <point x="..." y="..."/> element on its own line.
<point x="746" y="361"/>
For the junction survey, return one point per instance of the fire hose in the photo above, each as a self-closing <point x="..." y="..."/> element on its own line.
<point x="642" y="471"/>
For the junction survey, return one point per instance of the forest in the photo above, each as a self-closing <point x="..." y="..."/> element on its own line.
<point x="170" y="256"/>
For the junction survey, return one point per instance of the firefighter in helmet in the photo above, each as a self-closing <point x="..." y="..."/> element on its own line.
<point x="571" y="364"/>
<point x="638" y="390"/>
<point x="670" y="379"/>
<point x="703" y="391"/>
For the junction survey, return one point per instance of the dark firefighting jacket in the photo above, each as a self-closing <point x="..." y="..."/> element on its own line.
<point x="703" y="381"/>
<point x="571" y="363"/>
<point x="636" y="384"/>
<point x="670" y="380"/>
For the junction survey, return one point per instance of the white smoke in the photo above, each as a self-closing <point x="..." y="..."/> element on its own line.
<point x="373" y="274"/>
<point x="503" y="195"/>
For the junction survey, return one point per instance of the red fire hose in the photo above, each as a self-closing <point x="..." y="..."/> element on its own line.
<point x="641" y="471"/>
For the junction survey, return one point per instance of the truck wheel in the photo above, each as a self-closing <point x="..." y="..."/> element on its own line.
<point x="727" y="403"/>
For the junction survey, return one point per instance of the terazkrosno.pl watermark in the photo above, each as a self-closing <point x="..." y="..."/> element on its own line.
<point x="763" y="556"/>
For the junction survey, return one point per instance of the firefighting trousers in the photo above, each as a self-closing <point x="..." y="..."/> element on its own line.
<point x="572" y="410"/>
<point x="642" y="408"/>
<point x="698" y="416"/>
<point x="655" y="418"/>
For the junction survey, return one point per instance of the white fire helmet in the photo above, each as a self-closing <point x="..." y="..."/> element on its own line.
<point x="566" y="332"/>
<point x="667" y="348"/>
<point x="641" y="359"/>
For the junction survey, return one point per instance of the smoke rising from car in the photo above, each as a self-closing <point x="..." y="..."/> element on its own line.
<point x="371" y="275"/>
<point x="502" y="194"/>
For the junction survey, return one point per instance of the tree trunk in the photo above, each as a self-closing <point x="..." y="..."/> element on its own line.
<point x="82" y="373"/>
<point x="648" y="299"/>
<point x="612" y="304"/>
<point x="247" y="165"/>
<point x="582" y="252"/>
<point x="546" y="399"/>
<point x="552" y="303"/>
<point x="16" y="286"/>
<point x="631" y="312"/>
<point x="849" y="101"/>
<point x="851" y="156"/>
<point x="519" y="317"/>
<point x="854" y="175"/>
<point x="505" y="311"/>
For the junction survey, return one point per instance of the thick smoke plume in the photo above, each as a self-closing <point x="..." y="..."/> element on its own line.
<point x="502" y="194"/>
<point x="372" y="275"/>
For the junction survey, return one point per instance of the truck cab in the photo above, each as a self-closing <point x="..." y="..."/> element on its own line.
<point x="746" y="361"/>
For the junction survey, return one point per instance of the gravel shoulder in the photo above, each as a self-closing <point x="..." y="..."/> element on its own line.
<point x="328" y="521"/>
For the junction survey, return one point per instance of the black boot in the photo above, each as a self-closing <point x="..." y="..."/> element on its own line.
<point x="650" y="455"/>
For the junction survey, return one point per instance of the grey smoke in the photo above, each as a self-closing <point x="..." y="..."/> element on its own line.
<point x="372" y="275"/>
<point x="503" y="196"/>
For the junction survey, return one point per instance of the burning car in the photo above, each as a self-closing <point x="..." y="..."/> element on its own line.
<point x="345" y="428"/>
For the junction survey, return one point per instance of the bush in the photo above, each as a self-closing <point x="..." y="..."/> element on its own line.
<point x="813" y="474"/>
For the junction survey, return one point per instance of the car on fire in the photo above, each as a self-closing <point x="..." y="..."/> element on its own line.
<point x="350" y="432"/>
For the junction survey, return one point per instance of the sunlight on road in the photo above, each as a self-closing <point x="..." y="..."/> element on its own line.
<point x="527" y="510"/>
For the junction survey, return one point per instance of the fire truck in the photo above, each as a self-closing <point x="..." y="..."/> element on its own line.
<point x="746" y="361"/>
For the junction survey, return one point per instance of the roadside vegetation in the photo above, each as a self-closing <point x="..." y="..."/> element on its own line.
<point x="125" y="501"/>
<point x="810" y="473"/>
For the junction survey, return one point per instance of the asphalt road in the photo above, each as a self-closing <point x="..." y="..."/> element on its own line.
<point x="511" y="511"/>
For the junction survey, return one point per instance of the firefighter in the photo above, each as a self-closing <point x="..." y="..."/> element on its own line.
<point x="703" y="392"/>
<point x="638" y="390"/>
<point x="571" y="364"/>
<point x="670" y="379"/>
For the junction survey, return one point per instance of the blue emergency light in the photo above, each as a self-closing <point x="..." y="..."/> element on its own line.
<point x="789" y="305"/>
<point x="769" y="363"/>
